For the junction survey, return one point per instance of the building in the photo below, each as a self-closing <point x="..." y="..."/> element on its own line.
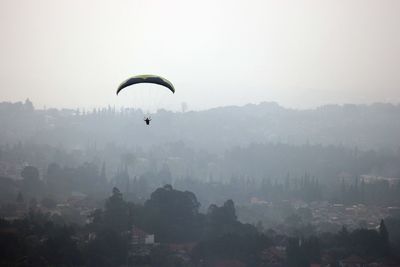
<point x="140" y="237"/>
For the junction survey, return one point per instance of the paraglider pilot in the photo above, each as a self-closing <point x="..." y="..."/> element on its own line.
<point x="147" y="120"/>
<point x="147" y="78"/>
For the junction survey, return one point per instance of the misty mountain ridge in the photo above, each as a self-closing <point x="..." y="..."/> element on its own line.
<point x="374" y="126"/>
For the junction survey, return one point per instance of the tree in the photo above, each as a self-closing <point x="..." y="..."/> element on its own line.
<point x="116" y="215"/>
<point x="383" y="232"/>
<point x="54" y="178"/>
<point x="344" y="237"/>
<point x="103" y="176"/>
<point x="20" y="198"/>
<point x="222" y="215"/>
<point x="109" y="248"/>
<point x="384" y="235"/>
<point x="312" y="249"/>
<point x="173" y="215"/>
<point x="31" y="181"/>
<point x="60" y="249"/>
<point x="28" y="105"/>
<point x="295" y="257"/>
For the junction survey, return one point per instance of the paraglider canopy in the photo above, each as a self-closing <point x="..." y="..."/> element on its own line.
<point x="147" y="79"/>
<point x="146" y="93"/>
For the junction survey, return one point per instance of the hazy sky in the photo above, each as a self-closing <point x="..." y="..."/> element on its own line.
<point x="298" y="53"/>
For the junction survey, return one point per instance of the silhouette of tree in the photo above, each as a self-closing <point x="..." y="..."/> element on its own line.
<point x="343" y="237"/>
<point x="294" y="254"/>
<point x="384" y="234"/>
<point x="116" y="213"/>
<point x="31" y="181"/>
<point x="173" y="215"/>
<point x="20" y="198"/>
<point x="109" y="248"/>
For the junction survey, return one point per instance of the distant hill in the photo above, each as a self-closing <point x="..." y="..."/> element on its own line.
<point x="363" y="126"/>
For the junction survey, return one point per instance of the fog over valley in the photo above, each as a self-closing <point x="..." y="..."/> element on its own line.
<point x="179" y="133"/>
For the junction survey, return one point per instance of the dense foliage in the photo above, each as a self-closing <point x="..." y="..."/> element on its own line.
<point x="173" y="216"/>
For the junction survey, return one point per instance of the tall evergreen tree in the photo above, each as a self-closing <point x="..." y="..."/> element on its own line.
<point x="383" y="231"/>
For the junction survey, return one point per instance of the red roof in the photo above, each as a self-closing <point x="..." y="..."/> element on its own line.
<point x="136" y="231"/>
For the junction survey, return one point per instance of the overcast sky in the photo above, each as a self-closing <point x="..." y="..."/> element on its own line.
<point x="300" y="53"/>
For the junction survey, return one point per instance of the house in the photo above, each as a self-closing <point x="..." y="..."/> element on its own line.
<point x="140" y="237"/>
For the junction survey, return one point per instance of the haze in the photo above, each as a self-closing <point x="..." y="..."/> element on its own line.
<point x="280" y="146"/>
<point x="298" y="53"/>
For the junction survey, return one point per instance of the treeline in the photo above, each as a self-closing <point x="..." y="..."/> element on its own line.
<point x="171" y="215"/>
<point x="325" y="162"/>
<point x="256" y="161"/>
<point x="174" y="217"/>
<point x="59" y="183"/>
<point x="365" y="126"/>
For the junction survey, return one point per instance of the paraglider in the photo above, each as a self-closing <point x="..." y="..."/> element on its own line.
<point x="146" y="79"/>
<point x="145" y="94"/>
<point x="147" y="120"/>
